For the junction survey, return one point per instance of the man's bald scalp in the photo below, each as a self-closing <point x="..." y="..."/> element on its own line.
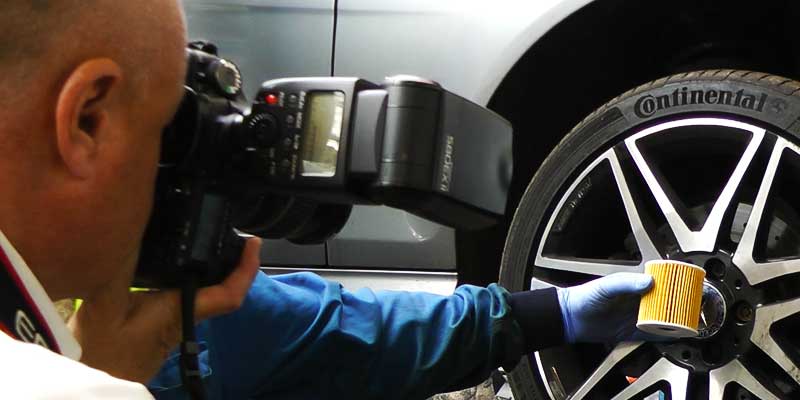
<point x="37" y="34"/>
<point x="28" y="27"/>
<point x="42" y="42"/>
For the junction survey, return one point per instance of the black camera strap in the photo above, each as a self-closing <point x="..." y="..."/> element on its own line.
<point x="190" y="365"/>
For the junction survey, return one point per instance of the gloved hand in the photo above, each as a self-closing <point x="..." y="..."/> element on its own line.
<point x="604" y="310"/>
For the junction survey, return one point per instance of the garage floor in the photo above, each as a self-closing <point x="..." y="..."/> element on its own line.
<point x="484" y="391"/>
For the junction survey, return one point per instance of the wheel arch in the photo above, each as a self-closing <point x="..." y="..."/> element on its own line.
<point x="597" y="50"/>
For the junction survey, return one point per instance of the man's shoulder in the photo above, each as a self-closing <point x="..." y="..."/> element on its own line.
<point x="33" y="372"/>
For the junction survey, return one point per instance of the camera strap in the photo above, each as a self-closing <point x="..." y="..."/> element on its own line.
<point x="190" y="365"/>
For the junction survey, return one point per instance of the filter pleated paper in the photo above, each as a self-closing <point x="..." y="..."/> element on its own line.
<point x="672" y="307"/>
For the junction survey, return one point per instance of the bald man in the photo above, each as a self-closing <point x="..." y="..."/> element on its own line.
<point x="86" y="87"/>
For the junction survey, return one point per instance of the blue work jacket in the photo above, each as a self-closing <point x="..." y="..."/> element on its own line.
<point x="299" y="336"/>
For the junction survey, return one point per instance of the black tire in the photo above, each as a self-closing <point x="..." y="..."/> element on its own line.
<point x="775" y="106"/>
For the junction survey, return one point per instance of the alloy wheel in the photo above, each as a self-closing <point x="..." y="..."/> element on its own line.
<point x="714" y="191"/>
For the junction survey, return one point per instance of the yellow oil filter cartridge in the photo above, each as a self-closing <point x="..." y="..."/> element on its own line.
<point x="672" y="307"/>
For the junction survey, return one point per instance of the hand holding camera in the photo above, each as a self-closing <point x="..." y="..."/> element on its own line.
<point x="114" y="322"/>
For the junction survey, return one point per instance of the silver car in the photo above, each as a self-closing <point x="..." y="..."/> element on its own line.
<point x="686" y="154"/>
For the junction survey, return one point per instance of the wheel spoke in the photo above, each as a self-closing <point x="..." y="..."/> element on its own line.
<point x="646" y="247"/>
<point x="537" y="283"/>
<point x="618" y="354"/>
<point x="663" y="370"/>
<point x="705" y="239"/>
<point x="734" y="371"/>
<point x="759" y="272"/>
<point x="584" y="267"/>
<point x="766" y="316"/>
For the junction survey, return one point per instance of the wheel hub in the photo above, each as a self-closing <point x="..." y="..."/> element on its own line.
<point x="725" y="322"/>
<point x="712" y="311"/>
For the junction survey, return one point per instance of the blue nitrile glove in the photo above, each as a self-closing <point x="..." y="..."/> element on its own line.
<point x="605" y="309"/>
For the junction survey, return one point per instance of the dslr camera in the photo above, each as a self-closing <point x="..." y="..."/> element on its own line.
<point x="293" y="162"/>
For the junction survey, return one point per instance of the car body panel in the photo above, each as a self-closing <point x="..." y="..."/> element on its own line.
<point x="431" y="282"/>
<point x="382" y="237"/>
<point x="468" y="46"/>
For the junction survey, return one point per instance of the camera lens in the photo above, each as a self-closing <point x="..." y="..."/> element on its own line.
<point x="265" y="216"/>
<point x="327" y="221"/>
<point x="301" y="221"/>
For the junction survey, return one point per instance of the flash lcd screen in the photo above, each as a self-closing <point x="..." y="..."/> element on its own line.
<point x="322" y="132"/>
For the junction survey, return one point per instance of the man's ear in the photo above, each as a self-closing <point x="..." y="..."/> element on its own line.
<point x="82" y="113"/>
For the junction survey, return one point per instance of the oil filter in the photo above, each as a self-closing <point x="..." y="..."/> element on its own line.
<point x="672" y="307"/>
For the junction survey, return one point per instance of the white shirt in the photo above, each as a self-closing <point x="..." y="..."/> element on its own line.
<point x="30" y="371"/>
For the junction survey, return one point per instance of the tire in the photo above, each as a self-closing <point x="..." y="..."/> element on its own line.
<point x="685" y="103"/>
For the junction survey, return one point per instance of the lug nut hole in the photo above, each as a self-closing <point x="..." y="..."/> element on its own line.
<point x="744" y="312"/>
<point x="715" y="268"/>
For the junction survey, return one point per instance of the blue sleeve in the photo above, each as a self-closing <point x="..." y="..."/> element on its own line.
<point x="299" y="336"/>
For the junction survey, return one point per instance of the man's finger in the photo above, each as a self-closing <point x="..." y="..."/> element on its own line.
<point x="228" y="295"/>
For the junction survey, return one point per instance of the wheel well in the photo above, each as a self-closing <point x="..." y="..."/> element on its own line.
<point x="606" y="48"/>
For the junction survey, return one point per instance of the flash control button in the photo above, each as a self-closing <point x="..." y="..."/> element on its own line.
<point x="264" y="130"/>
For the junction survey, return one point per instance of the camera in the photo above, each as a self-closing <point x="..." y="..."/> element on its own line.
<point x="293" y="162"/>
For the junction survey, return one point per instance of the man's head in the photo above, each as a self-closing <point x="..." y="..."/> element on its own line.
<point x="86" y="87"/>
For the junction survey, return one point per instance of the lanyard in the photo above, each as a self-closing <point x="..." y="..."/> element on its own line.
<point x="26" y="312"/>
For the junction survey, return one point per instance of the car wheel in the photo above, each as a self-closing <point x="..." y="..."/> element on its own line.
<point x="702" y="167"/>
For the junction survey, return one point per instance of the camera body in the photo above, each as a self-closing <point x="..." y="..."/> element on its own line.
<point x="293" y="162"/>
